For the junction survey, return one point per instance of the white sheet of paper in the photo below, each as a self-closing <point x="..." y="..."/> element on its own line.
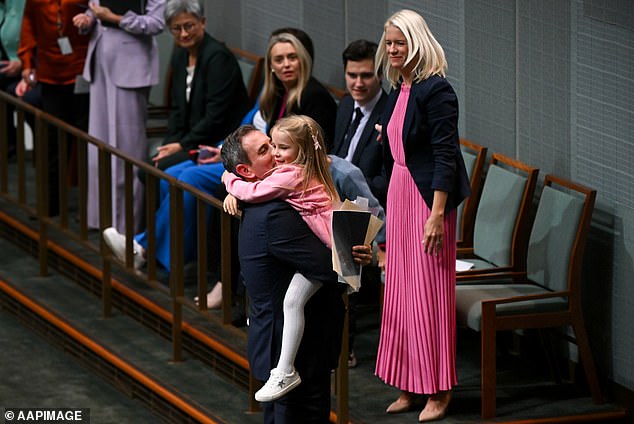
<point x="463" y="265"/>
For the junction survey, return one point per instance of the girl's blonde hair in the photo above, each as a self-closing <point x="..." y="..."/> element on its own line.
<point x="311" y="153"/>
<point x="272" y="84"/>
<point x="424" y="51"/>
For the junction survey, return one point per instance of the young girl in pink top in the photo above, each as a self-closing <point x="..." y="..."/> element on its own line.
<point x="302" y="178"/>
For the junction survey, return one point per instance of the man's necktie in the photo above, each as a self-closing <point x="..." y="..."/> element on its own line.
<point x="352" y="129"/>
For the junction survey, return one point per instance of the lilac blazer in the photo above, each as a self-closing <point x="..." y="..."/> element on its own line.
<point x="130" y="52"/>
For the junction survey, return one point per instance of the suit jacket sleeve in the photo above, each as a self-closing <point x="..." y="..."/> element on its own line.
<point x="442" y="118"/>
<point x="150" y="23"/>
<point x="26" y="48"/>
<point x="293" y="243"/>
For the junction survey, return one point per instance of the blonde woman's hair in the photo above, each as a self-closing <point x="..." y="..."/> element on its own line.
<point x="311" y="150"/>
<point x="272" y="84"/>
<point x="424" y="52"/>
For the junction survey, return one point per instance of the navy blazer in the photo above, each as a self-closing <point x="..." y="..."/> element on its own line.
<point x="430" y="140"/>
<point x="274" y="243"/>
<point x="368" y="156"/>
<point x="218" y="99"/>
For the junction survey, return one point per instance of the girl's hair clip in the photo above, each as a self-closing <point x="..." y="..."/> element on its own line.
<point x="316" y="142"/>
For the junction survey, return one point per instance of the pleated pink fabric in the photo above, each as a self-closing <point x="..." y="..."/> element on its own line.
<point x="417" y="347"/>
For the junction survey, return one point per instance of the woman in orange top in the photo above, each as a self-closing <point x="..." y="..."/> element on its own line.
<point x="52" y="52"/>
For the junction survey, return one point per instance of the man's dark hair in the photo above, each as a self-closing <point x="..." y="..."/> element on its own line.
<point x="232" y="153"/>
<point x="303" y="38"/>
<point x="359" y="50"/>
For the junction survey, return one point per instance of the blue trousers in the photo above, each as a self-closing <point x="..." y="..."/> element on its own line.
<point x="205" y="178"/>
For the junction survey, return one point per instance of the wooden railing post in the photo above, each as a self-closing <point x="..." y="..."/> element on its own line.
<point x="105" y="221"/>
<point x="4" y="148"/>
<point x="40" y="144"/>
<point x="19" y="150"/>
<point x="225" y="266"/>
<point x="82" y="182"/>
<point x="151" y="187"/>
<point x="176" y="269"/>
<point x="341" y="376"/>
<point x="62" y="176"/>
<point x="202" y="243"/>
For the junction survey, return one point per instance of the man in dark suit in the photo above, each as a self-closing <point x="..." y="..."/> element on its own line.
<point x="355" y="136"/>
<point x="356" y="141"/>
<point x="274" y="243"/>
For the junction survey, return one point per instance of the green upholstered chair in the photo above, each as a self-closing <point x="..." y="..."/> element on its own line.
<point x="251" y="66"/>
<point x="502" y="220"/>
<point x="474" y="157"/>
<point x="547" y="294"/>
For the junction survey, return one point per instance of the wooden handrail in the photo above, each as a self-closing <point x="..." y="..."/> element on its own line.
<point x="107" y="154"/>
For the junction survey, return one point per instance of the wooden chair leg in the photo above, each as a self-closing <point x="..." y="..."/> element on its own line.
<point x="489" y="351"/>
<point x="546" y="338"/>
<point x="585" y="355"/>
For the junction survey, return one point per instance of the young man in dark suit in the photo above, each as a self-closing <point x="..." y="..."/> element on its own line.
<point x="356" y="142"/>
<point x="274" y="243"/>
<point x="355" y="136"/>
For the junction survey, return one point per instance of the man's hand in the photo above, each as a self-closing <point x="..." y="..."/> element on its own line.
<point x="362" y="254"/>
<point x="380" y="258"/>
<point x="230" y="205"/>
<point x="10" y="68"/>
<point x="165" y="151"/>
<point x="21" y="88"/>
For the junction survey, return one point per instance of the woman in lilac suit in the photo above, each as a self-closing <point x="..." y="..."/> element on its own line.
<point x="121" y="65"/>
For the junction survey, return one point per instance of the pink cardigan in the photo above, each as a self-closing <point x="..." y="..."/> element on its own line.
<point x="285" y="182"/>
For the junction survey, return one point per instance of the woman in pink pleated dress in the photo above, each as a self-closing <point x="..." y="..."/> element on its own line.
<point x="427" y="180"/>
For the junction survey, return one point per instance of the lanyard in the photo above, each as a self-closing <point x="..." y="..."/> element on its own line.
<point x="59" y="18"/>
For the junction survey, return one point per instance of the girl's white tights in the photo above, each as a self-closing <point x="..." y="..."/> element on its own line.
<point x="299" y="291"/>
